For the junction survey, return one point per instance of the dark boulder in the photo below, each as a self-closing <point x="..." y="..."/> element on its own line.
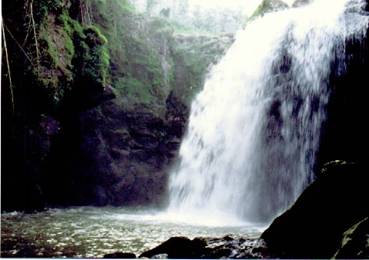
<point x="115" y="156"/>
<point x="179" y="247"/>
<point x="233" y="247"/>
<point x="209" y="248"/>
<point x="313" y="226"/>
<point x="120" y="255"/>
<point x="355" y="243"/>
<point x="344" y="134"/>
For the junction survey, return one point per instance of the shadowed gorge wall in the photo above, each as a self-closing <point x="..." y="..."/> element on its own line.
<point x="52" y="61"/>
<point x="66" y="143"/>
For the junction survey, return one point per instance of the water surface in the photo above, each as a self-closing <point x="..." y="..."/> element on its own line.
<point x="94" y="232"/>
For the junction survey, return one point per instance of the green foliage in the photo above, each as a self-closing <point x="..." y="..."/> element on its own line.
<point x="54" y="71"/>
<point x="43" y="7"/>
<point x="97" y="35"/>
<point x="69" y="46"/>
<point x="70" y="26"/>
<point x="69" y="51"/>
<point x="267" y="6"/>
<point x="51" y="50"/>
<point x="134" y="89"/>
<point x="147" y="60"/>
<point x="92" y="58"/>
<point x="138" y="74"/>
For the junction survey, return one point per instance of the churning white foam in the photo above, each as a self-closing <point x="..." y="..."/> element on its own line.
<point x="254" y="129"/>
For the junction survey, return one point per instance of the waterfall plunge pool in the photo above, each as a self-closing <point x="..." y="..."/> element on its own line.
<point x="94" y="232"/>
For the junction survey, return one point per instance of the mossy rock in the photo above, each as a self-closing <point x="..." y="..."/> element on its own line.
<point x="299" y="3"/>
<point x="43" y="8"/>
<point x="268" y="6"/>
<point x="68" y="53"/>
<point x="355" y="242"/>
<point x="93" y="57"/>
<point x="313" y="226"/>
<point x="54" y="69"/>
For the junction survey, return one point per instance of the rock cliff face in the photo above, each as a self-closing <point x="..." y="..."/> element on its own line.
<point x="68" y="142"/>
<point x="128" y="145"/>
<point x="123" y="150"/>
<point x="120" y="156"/>
<point x="345" y="133"/>
<point x="51" y="64"/>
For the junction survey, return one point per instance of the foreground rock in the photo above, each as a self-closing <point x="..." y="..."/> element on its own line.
<point x="355" y="243"/>
<point x="179" y="247"/>
<point x="314" y="225"/>
<point x="120" y="255"/>
<point x="226" y="247"/>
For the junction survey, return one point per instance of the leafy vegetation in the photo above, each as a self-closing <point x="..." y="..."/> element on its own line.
<point x="137" y="72"/>
<point x="70" y="51"/>
<point x="267" y="6"/>
<point x="93" y="58"/>
<point x="152" y="56"/>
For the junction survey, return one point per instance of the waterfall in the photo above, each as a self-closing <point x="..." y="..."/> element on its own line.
<point x="254" y="129"/>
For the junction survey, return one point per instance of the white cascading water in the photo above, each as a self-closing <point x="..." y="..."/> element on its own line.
<point x="254" y="129"/>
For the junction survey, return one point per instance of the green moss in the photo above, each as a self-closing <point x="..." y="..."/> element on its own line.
<point x="59" y="46"/>
<point x="98" y="60"/>
<point x="69" y="46"/>
<point x="144" y="71"/>
<point x="138" y="75"/>
<point x="52" y="51"/>
<point x="56" y="52"/>
<point x="69" y="51"/>
<point x="126" y="6"/>
<point x="97" y="33"/>
<point x="43" y="7"/>
<point x="267" y="6"/>
<point x="92" y="59"/>
<point x="134" y="90"/>
<point x="70" y="26"/>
